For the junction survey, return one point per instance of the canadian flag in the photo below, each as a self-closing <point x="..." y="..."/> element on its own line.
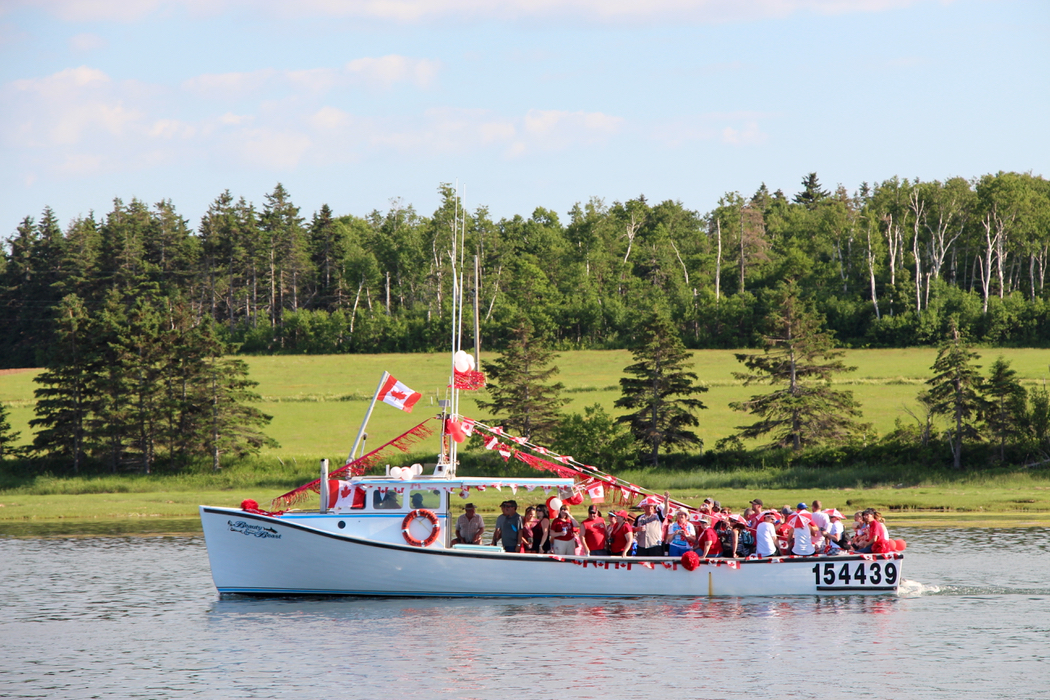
<point x="596" y="492"/>
<point x="398" y="395"/>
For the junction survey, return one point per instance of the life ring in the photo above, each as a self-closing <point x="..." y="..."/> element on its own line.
<point x="421" y="513"/>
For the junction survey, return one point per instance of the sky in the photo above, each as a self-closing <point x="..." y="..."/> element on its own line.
<point x="521" y="103"/>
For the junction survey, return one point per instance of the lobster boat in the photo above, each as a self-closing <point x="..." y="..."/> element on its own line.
<point x="391" y="533"/>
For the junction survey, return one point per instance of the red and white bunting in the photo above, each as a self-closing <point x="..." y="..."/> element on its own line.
<point x="514" y="489"/>
<point x="597" y="493"/>
<point x="491" y="442"/>
<point x="467" y="424"/>
<point x="734" y="565"/>
<point x="647" y="564"/>
<point x="504" y="451"/>
<point x="464" y="493"/>
<point x="498" y="487"/>
<point x="518" y="440"/>
<point x="480" y="487"/>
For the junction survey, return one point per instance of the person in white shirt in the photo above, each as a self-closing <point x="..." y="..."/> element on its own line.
<point x="766" y="535"/>
<point x="823" y="522"/>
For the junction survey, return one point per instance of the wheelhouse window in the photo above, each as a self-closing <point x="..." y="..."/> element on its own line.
<point x="388" y="500"/>
<point x="425" y="498"/>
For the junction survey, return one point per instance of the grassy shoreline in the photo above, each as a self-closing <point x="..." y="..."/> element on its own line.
<point x="175" y="512"/>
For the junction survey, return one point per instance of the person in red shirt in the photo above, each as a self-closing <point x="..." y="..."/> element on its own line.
<point x="708" y="544"/>
<point x="620" y="535"/>
<point x="563" y="533"/>
<point x="595" y="534"/>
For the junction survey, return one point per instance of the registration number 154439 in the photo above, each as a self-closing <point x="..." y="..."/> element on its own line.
<point x="872" y="575"/>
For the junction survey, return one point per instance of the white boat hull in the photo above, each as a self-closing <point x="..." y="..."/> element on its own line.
<point x="258" y="554"/>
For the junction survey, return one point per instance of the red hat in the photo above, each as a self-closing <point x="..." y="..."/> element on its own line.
<point x="621" y="514"/>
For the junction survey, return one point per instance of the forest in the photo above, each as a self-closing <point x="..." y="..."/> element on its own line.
<point x="136" y="315"/>
<point x="894" y="264"/>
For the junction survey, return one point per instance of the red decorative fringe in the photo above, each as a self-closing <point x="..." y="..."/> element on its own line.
<point x="543" y="465"/>
<point x="359" y="466"/>
<point x="249" y="505"/>
<point x="469" y="381"/>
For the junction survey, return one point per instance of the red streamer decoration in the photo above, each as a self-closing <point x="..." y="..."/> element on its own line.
<point x="359" y="466"/>
<point x="471" y="380"/>
<point x="545" y="466"/>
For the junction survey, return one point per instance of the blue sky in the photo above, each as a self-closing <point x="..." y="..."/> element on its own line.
<point x="525" y="103"/>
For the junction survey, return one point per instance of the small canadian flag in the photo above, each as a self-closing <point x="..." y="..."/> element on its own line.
<point x="398" y="395"/>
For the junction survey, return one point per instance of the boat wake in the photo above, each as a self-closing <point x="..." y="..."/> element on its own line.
<point x="916" y="589"/>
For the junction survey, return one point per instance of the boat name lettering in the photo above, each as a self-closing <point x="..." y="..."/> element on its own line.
<point x="250" y="529"/>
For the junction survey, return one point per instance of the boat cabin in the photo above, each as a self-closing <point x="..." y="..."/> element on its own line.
<point x="400" y="511"/>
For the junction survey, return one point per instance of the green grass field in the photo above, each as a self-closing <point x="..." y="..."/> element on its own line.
<point x="317" y="403"/>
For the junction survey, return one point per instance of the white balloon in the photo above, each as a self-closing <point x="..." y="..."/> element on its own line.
<point x="463" y="361"/>
<point x="555" y="505"/>
<point x="395" y="472"/>
<point x="417" y="469"/>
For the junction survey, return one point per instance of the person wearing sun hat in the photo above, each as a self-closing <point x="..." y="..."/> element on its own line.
<point x="649" y="528"/>
<point x="621" y="535"/>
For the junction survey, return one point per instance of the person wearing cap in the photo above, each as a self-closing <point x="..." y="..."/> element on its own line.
<point x="470" y="527"/>
<point x="709" y="544"/>
<point x="802" y="537"/>
<point x="649" y="529"/>
<point x="753" y="512"/>
<point x="621" y="535"/>
<point x="595" y="533"/>
<point x="563" y="533"/>
<point x="766" y="535"/>
<point x="508" y="527"/>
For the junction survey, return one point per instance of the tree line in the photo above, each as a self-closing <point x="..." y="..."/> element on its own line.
<point x="994" y="417"/>
<point x="892" y="264"/>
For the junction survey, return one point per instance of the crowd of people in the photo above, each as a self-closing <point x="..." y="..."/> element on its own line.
<point x="660" y="530"/>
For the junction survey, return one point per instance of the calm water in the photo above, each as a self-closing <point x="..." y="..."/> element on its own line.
<point x="138" y="617"/>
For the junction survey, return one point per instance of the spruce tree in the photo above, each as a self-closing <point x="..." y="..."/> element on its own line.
<point x="956" y="392"/>
<point x="8" y="436"/>
<point x="799" y="356"/>
<point x="1007" y="404"/>
<point x="517" y="384"/>
<point x="63" y="398"/>
<point x="659" y="391"/>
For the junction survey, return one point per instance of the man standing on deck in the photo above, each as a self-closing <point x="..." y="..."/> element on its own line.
<point x="649" y="529"/>
<point x="508" y="527"/>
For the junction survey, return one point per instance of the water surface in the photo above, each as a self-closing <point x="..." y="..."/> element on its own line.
<point x="139" y="617"/>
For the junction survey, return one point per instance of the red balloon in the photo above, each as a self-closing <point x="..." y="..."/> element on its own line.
<point x="690" y="560"/>
<point x="577" y="499"/>
<point x="901" y="545"/>
<point x="454" y="429"/>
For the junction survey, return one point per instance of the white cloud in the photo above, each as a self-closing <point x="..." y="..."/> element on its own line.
<point x="417" y="11"/>
<point x="388" y="70"/>
<point x="270" y="148"/>
<point x="329" y="118"/>
<point x="748" y="135"/>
